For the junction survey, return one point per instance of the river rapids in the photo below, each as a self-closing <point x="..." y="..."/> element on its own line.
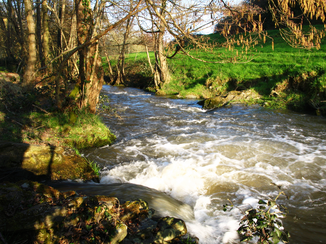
<point x="189" y="162"/>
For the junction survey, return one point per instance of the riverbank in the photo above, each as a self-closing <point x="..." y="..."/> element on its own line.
<point x="32" y="212"/>
<point x="278" y="76"/>
<point x="39" y="146"/>
<point x="30" y="117"/>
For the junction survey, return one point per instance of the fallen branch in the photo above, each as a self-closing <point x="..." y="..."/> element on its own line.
<point x="12" y="120"/>
<point x="41" y="109"/>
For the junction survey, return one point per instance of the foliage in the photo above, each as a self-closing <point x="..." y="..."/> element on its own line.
<point x="82" y="219"/>
<point x="96" y="168"/>
<point x="264" y="223"/>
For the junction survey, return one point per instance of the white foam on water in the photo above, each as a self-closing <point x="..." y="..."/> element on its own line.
<point x="167" y="105"/>
<point x="189" y="170"/>
<point x="141" y="95"/>
<point x="193" y="109"/>
<point x="204" y="159"/>
<point x="186" y="180"/>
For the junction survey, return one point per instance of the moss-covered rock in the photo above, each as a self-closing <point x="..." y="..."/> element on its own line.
<point x="24" y="161"/>
<point x="169" y="229"/>
<point x="37" y="213"/>
<point x="45" y="215"/>
<point x="96" y="138"/>
<point x="231" y="97"/>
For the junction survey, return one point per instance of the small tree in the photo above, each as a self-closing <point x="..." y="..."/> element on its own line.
<point x="89" y="83"/>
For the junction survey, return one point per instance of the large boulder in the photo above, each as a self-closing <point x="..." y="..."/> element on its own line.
<point x="34" y="162"/>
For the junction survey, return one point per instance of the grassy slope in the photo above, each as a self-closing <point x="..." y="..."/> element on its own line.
<point x="27" y="117"/>
<point x="285" y="77"/>
<point x="290" y="74"/>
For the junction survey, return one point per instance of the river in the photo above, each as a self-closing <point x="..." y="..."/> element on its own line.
<point x="196" y="160"/>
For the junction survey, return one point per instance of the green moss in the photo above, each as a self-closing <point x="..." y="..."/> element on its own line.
<point x="86" y="130"/>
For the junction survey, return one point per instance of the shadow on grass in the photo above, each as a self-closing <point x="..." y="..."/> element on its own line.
<point x="297" y="92"/>
<point x="195" y="82"/>
<point x="15" y="109"/>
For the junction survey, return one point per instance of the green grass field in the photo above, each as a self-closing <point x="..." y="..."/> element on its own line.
<point x="296" y="75"/>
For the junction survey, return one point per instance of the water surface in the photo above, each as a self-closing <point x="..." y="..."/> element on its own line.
<point x="205" y="159"/>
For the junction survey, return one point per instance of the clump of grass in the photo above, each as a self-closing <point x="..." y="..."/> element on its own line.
<point x="86" y="130"/>
<point x="57" y="129"/>
<point x="96" y="168"/>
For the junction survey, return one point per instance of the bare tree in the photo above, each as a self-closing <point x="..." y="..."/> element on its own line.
<point x="120" y="77"/>
<point x="39" y="33"/>
<point x="81" y="31"/>
<point x="184" y="22"/>
<point x="29" y="72"/>
<point x="90" y="79"/>
<point x="157" y="12"/>
<point x="12" y="29"/>
<point x="46" y="32"/>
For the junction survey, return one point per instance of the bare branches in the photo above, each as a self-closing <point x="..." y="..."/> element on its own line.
<point x="284" y="15"/>
<point x="90" y="42"/>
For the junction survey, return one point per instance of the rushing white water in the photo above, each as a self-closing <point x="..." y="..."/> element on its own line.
<point x="208" y="158"/>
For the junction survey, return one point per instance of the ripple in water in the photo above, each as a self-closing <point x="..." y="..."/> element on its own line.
<point x="203" y="158"/>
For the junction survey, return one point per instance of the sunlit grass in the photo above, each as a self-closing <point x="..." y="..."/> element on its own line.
<point x="262" y="68"/>
<point x="57" y="129"/>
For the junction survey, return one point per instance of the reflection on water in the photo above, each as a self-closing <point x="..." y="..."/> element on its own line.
<point x="203" y="158"/>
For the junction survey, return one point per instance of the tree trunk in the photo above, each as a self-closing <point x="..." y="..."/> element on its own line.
<point x="110" y="68"/>
<point x="121" y="61"/>
<point x="149" y="59"/>
<point x="9" y="30"/>
<point x="87" y="43"/>
<point x="161" y="70"/>
<point x="46" y="33"/>
<point x="90" y="79"/>
<point x="62" y="7"/>
<point x="95" y="76"/>
<point x="72" y="42"/>
<point x="39" y="33"/>
<point x="31" y="43"/>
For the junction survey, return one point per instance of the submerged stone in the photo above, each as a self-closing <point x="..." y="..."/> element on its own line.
<point x="120" y="233"/>
<point x="169" y="229"/>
